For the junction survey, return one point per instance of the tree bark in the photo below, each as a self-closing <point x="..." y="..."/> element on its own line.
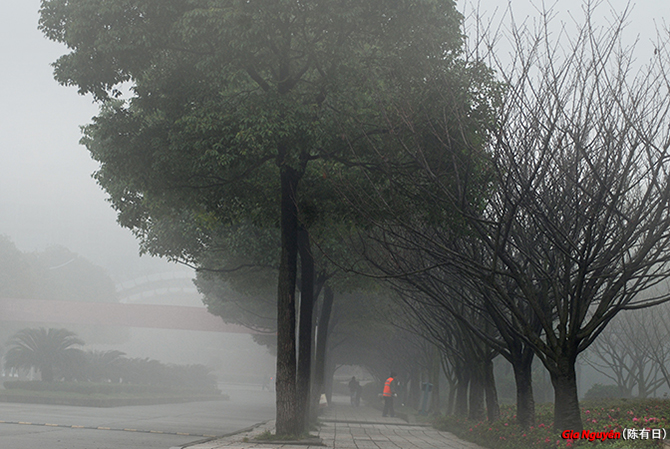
<point x="477" y="410"/>
<point x="567" y="415"/>
<point x="451" y="398"/>
<point x="523" y="377"/>
<point x="305" y="328"/>
<point x="328" y="382"/>
<point x="321" y="341"/>
<point x="492" y="405"/>
<point x="414" y="389"/>
<point x="435" y="380"/>
<point x="462" y="393"/>
<point x="287" y="422"/>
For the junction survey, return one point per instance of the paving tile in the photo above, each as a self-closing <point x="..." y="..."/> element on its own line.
<point x="346" y="427"/>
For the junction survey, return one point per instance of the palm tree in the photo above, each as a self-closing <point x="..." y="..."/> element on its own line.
<point x="105" y="366"/>
<point x="46" y="350"/>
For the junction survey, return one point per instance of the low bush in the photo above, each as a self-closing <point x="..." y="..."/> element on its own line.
<point x="107" y="388"/>
<point x="599" y="391"/>
<point x="616" y="415"/>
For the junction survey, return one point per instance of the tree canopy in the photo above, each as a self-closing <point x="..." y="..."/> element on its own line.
<point x="573" y="228"/>
<point x="238" y="111"/>
<point x="46" y="350"/>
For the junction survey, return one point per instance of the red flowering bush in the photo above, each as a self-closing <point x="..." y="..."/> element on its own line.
<point x="643" y="418"/>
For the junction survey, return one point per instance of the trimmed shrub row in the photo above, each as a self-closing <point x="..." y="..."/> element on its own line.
<point x="107" y="388"/>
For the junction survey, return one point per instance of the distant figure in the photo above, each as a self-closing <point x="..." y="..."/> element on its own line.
<point x="353" y="391"/>
<point x="388" y="396"/>
<point x="268" y="383"/>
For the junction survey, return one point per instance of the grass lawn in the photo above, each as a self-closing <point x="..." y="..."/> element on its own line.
<point x="615" y="415"/>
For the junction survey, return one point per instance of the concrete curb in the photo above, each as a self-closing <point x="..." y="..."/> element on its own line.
<point x="225" y="435"/>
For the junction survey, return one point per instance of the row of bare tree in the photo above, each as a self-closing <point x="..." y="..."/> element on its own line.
<point x="529" y="234"/>
<point x="633" y="352"/>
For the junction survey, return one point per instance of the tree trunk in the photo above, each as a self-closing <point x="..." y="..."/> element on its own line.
<point x="451" y="398"/>
<point x="435" y="372"/>
<point x="567" y="415"/>
<point x="642" y="390"/>
<point x="47" y="373"/>
<point x="287" y="422"/>
<point x="523" y="377"/>
<point x="462" y="393"/>
<point x="328" y="383"/>
<point x="477" y="409"/>
<point x="492" y="405"/>
<point x="305" y="328"/>
<point x="414" y="389"/>
<point x="321" y="340"/>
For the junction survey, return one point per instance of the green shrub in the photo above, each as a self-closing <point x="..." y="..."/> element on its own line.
<point x="599" y="391"/>
<point x="106" y="388"/>
<point x="601" y="415"/>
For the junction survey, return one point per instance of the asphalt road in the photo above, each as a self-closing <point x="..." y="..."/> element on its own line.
<point x="29" y="426"/>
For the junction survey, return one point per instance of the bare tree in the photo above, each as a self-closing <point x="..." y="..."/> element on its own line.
<point x="579" y="217"/>
<point x="468" y="356"/>
<point x="576" y="221"/>
<point x="632" y="351"/>
<point x="657" y="340"/>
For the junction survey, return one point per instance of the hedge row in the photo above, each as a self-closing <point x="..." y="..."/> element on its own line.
<point x="108" y="388"/>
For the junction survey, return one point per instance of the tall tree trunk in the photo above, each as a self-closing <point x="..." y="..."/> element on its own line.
<point x="477" y="410"/>
<point x="305" y="328"/>
<point x="435" y="380"/>
<point x="523" y="377"/>
<point x="451" y="398"/>
<point x="321" y="341"/>
<point x="328" y="381"/>
<point x="492" y="405"/>
<point x="449" y="371"/>
<point x="642" y="390"/>
<point x="566" y="403"/>
<point x="463" y="377"/>
<point x="414" y="389"/>
<point x="287" y="422"/>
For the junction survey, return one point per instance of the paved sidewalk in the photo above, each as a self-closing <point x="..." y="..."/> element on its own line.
<point x="346" y="427"/>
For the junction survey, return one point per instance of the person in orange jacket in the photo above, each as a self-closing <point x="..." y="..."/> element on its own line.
<point x="388" y="394"/>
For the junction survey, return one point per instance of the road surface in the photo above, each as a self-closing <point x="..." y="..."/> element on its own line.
<point x="27" y="426"/>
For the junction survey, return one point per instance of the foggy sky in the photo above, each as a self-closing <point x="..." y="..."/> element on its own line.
<point x="47" y="195"/>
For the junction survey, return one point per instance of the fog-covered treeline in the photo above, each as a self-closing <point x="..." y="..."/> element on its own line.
<point x="57" y="355"/>
<point x="345" y="150"/>
<point x="54" y="273"/>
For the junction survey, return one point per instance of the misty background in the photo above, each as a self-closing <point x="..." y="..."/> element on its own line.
<point x="48" y="198"/>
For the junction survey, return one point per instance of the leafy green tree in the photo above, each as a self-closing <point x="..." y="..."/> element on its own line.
<point x="46" y="350"/>
<point x="236" y="106"/>
<point x="238" y="271"/>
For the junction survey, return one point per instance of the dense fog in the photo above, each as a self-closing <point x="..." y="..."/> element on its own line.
<point x="48" y="200"/>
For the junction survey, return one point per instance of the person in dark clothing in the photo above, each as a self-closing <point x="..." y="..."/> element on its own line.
<point x="359" y="393"/>
<point x="353" y="390"/>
